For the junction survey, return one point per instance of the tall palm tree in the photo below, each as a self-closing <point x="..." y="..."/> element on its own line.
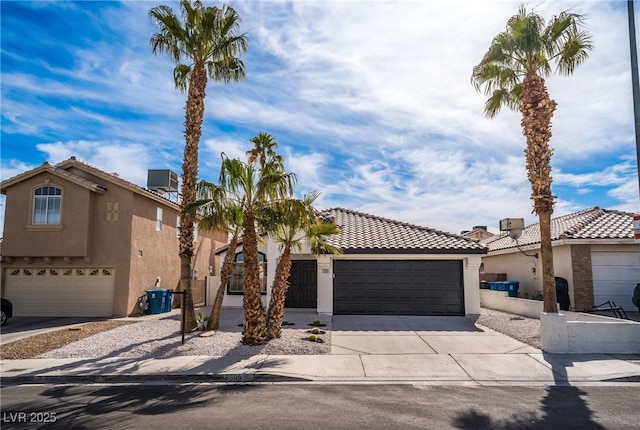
<point x="254" y="192"/>
<point x="289" y="223"/>
<point x="218" y="213"/>
<point x="205" y="44"/>
<point x="263" y="150"/>
<point x="512" y="73"/>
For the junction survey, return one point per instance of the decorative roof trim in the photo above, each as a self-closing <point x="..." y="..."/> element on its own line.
<point x="54" y="170"/>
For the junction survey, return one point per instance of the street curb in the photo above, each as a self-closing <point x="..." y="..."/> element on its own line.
<point x="247" y="378"/>
<point x="230" y="378"/>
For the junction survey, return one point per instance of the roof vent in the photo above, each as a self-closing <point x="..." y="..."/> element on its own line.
<point x="164" y="181"/>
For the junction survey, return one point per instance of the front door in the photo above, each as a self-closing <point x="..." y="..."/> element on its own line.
<point x="303" y="288"/>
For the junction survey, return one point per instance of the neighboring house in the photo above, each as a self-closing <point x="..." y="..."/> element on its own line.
<point x="82" y="242"/>
<point x="593" y="250"/>
<point x="387" y="268"/>
<point x="478" y="233"/>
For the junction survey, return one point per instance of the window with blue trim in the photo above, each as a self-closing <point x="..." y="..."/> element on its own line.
<point x="47" y="202"/>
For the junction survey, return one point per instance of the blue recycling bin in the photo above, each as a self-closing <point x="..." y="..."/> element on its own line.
<point x="168" y="301"/>
<point x="156" y="299"/>
<point x="512" y="287"/>
<point x="498" y="286"/>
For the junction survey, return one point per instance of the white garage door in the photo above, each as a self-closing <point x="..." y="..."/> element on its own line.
<point x="615" y="275"/>
<point x="61" y="292"/>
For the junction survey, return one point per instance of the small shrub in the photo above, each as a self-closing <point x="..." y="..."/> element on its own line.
<point x="313" y="338"/>
<point x="317" y="323"/>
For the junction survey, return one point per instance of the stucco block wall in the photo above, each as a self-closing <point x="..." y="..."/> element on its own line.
<point x="579" y="333"/>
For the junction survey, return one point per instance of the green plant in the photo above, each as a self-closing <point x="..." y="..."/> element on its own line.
<point x="317" y="323"/>
<point x="315" y="330"/>
<point x="313" y="338"/>
<point x="201" y="319"/>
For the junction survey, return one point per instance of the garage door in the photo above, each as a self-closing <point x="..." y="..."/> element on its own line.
<point x="389" y="287"/>
<point x="49" y="292"/>
<point x="615" y="275"/>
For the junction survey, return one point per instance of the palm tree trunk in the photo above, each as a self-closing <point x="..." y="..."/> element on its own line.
<point x="225" y="275"/>
<point x="278" y="295"/>
<point x="546" y="254"/>
<point x="194" y="113"/>
<point x="254" y="332"/>
<point x="537" y="110"/>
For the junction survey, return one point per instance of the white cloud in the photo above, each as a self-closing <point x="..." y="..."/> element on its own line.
<point x="370" y="101"/>
<point x="129" y="161"/>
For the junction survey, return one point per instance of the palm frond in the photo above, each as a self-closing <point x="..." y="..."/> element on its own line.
<point x="528" y="46"/>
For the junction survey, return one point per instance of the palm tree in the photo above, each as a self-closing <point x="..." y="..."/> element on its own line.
<point x="263" y="150"/>
<point x="219" y="213"/>
<point x="205" y="44"/>
<point x="289" y="223"/>
<point x="254" y="192"/>
<point x="512" y="73"/>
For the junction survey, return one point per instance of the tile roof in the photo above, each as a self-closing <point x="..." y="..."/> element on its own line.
<point x="363" y="233"/>
<point x="593" y="223"/>
<point x="63" y="169"/>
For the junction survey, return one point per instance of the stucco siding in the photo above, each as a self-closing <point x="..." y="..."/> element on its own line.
<point x="68" y="239"/>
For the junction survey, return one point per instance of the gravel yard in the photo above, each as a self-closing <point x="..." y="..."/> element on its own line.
<point x="161" y="337"/>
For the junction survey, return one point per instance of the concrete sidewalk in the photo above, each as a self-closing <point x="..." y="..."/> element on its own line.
<point x="456" y="368"/>
<point x="435" y="350"/>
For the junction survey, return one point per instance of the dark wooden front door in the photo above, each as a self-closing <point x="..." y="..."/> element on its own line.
<point x="303" y="286"/>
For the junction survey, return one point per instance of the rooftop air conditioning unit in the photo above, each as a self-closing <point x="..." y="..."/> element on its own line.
<point x="511" y="224"/>
<point x="164" y="181"/>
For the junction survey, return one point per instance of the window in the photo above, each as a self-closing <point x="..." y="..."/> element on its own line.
<point x="46" y="205"/>
<point x="178" y="226"/>
<point x="236" y="284"/>
<point x="195" y="231"/>
<point x="159" y="219"/>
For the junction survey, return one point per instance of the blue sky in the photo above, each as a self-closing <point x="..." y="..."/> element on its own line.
<point x="370" y="103"/>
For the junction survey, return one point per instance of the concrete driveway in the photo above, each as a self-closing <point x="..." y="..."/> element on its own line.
<point x="402" y="335"/>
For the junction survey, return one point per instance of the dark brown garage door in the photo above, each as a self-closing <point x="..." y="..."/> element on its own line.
<point x="389" y="287"/>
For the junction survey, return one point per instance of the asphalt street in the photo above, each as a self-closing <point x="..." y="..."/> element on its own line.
<point x="320" y="406"/>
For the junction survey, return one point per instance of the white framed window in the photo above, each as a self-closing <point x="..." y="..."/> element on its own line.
<point x="178" y="226"/>
<point x="159" y="219"/>
<point x="47" y="204"/>
<point x="236" y="283"/>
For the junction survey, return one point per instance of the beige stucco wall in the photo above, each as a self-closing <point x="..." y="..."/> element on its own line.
<point x="154" y="254"/>
<point x="520" y="267"/>
<point x="70" y="239"/>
